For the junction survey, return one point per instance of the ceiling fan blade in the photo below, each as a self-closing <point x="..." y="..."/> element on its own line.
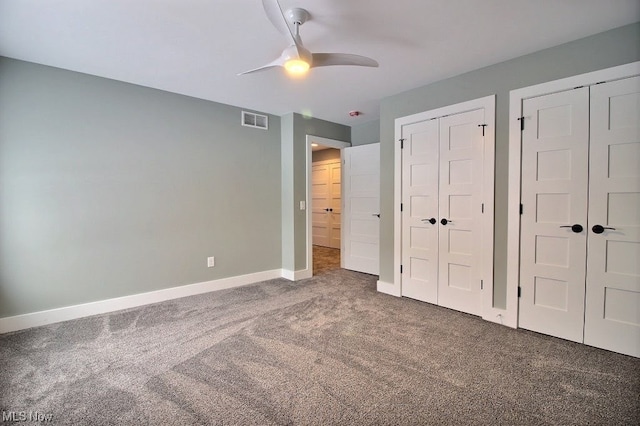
<point x="276" y="16"/>
<point x="275" y="63"/>
<point x="328" y="59"/>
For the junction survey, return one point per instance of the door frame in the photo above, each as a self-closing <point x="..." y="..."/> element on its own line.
<point x="487" y="226"/>
<point x="332" y="143"/>
<point x="516" y="97"/>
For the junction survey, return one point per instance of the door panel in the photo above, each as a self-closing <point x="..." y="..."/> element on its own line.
<point x="460" y="203"/>
<point x="554" y="197"/>
<point x="320" y="204"/>
<point x="326" y="203"/>
<point x="420" y="165"/>
<point x="335" y="204"/>
<point x="362" y="206"/>
<point x="612" y="319"/>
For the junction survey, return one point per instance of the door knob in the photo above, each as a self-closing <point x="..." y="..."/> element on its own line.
<point x="599" y="229"/>
<point x="431" y="221"/>
<point x="577" y="228"/>
<point x="326" y="210"/>
<point x="445" y="221"/>
<point x="376" y="214"/>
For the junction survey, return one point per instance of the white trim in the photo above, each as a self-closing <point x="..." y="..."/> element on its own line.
<point x="51" y="316"/>
<point x="488" y="103"/>
<point x="332" y="143"/>
<point x="297" y="275"/>
<point x="516" y="97"/>
<point x="388" y="288"/>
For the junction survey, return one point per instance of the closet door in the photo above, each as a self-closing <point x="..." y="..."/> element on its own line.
<point x="420" y="219"/>
<point x="612" y="319"/>
<point x="460" y="207"/>
<point x="554" y="198"/>
<point x="326" y="203"/>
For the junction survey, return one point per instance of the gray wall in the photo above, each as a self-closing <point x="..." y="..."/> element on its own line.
<point x="110" y="189"/>
<point x="366" y="133"/>
<point x="295" y="129"/>
<point x="604" y="50"/>
<point x="326" y="154"/>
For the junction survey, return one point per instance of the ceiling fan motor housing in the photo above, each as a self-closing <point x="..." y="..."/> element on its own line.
<point x="297" y="16"/>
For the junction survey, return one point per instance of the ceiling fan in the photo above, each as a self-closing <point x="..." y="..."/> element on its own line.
<point x="297" y="59"/>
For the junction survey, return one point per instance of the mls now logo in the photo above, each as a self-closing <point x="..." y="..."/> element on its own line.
<point x="24" y="416"/>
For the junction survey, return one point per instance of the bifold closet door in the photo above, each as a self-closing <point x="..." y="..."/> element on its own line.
<point x="326" y="203"/>
<point x="580" y="222"/>
<point x="460" y="208"/>
<point x="555" y="178"/>
<point x="442" y="176"/>
<point x="612" y="319"/>
<point x="420" y="216"/>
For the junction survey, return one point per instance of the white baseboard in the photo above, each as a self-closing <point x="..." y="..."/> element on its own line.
<point x="35" y="319"/>
<point x="297" y="275"/>
<point x="388" y="288"/>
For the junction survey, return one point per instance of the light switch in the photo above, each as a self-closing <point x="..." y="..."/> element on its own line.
<point x="303" y="205"/>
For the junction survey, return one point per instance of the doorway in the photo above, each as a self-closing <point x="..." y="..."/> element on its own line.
<point x="326" y="224"/>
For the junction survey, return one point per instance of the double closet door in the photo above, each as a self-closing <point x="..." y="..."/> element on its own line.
<point x="442" y="178"/>
<point x="326" y="213"/>
<point x="580" y="222"/>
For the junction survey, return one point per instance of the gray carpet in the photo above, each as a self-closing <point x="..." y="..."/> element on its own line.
<point x="329" y="350"/>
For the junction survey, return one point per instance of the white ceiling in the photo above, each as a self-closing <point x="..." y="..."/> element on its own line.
<point x="197" y="47"/>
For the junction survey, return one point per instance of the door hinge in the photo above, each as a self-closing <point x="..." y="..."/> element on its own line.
<point x="401" y="206"/>
<point x="402" y="143"/>
<point x="521" y="119"/>
<point x="521" y="208"/>
<point x="519" y="291"/>
<point x="481" y="285"/>
<point x="482" y="207"/>
<point x="483" y="126"/>
<point x="400" y="268"/>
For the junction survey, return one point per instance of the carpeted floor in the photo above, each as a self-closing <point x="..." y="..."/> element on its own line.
<point x="329" y="350"/>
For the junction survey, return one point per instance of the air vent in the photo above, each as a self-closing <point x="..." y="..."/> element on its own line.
<point x="257" y="121"/>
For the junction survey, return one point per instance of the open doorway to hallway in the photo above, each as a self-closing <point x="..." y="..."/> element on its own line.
<point x="326" y="168"/>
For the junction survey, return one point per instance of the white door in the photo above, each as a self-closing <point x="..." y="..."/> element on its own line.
<point x="361" y="237"/>
<point x="612" y="319"/>
<point x="326" y="203"/>
<point x="460" y="206"/>
<point x="420" y="215"/>
<point x="554" y="198"/>
<point x="442" y="182"/>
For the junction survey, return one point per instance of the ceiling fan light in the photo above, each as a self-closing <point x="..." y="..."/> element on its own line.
<point x="296" y="66"/>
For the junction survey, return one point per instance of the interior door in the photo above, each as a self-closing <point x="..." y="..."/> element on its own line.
<point x="460" y="206"/>
<point x="326" y="203"/>
<point x="335" y="204"/>
<point x="554" y="199"/>
<point x="320" y="204"/>
<point x="612" y="319"/>
<point x="362" y="208"/>
<point x="420" y="216"/>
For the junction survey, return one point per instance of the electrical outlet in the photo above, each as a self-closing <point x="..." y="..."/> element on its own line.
<point x="211" y="262"/>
